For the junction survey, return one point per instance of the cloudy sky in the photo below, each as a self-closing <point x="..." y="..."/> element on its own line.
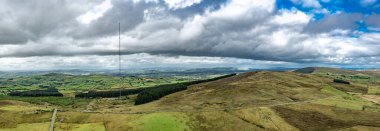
<point x="68" y="34"/>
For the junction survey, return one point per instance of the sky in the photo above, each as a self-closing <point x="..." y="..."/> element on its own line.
<point x="83" y="34"/>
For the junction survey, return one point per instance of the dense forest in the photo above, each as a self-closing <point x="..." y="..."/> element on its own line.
<point x="155" y="93"/>
<point x="341" y="81"/>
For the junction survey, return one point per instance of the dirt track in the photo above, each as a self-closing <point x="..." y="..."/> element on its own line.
<point x="216" y="109"/>
<point x="53" y="120"/>
<point x="373" y="98"/>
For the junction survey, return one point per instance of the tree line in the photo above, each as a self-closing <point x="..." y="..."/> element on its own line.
<point x="109" y="94"/>
<point x="341" y="81"/>
<point x="155" y="93"/>
<point x="37" y="93"/>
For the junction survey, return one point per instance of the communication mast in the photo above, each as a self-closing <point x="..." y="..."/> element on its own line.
<point x="120" y="76"/>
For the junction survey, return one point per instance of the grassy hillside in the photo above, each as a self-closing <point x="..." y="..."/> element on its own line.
<point x="272" y="101"/>
<point x="247" y="90"/>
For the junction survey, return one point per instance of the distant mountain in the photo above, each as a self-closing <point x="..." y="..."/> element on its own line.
<point x="307" y="70"/>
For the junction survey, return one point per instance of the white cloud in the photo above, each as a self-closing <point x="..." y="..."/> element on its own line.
<point x="128" y="62"/>
<point x="311" y="3"/>
<point x="192" y="29"/>
<point x="326" y="1"/>
<point x="367" y="2"/>
<point x="147" y="1"/>
<point x="244" y="8"/>
<point x="293" y="16"/>
<point x="95" y="13"/>
<point x="308" y="3"/>
<point x="177" y="4"/>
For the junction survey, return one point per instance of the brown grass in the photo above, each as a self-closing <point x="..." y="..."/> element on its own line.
<point x="319" y="117"/>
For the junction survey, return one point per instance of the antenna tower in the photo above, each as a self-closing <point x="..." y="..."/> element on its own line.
<point x="120" y="81"/>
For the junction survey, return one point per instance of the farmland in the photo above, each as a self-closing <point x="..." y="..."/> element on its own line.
<point x="71" y="83"/>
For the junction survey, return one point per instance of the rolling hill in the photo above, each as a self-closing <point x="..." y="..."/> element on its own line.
<point x="248" y="89"/>
<point x="261" y="100"/>
<point x="267" y="100"/>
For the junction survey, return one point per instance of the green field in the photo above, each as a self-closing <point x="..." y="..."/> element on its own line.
<point x="162" y="121"/>
<point x="29" y="127"/>
<point x="79" y="127"/>
<point x="68" y="84"/>
<point x="58" y="101"/>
